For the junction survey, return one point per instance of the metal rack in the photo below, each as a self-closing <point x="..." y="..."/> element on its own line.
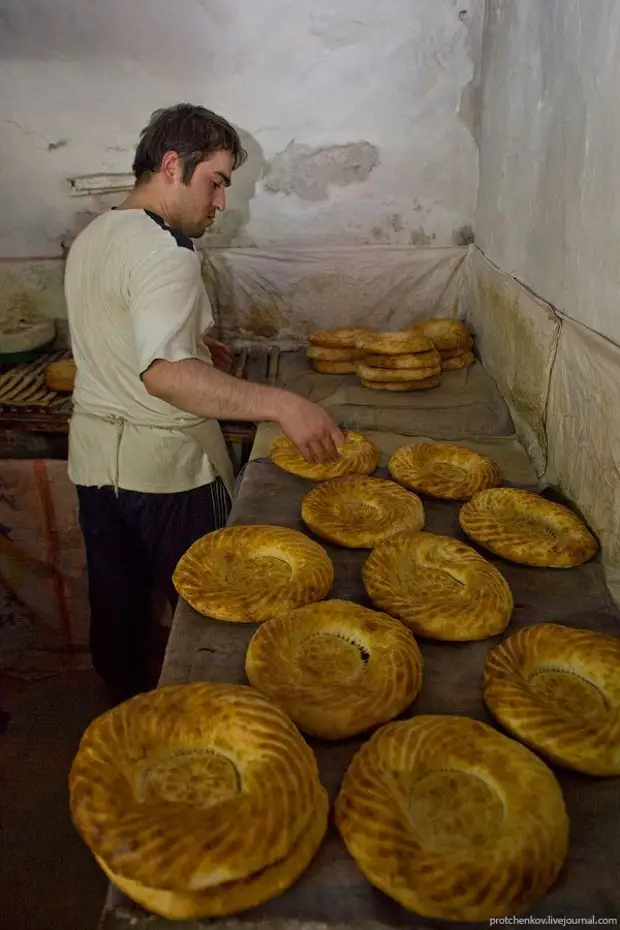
<point x="27" y="405"/>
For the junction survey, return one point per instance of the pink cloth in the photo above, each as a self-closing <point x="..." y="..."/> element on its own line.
<point x="43" y="583"/>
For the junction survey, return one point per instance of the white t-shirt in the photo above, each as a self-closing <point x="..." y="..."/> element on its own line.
<point x="134" y="293"/>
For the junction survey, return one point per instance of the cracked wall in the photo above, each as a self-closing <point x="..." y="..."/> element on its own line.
<point x="359" y="117"/>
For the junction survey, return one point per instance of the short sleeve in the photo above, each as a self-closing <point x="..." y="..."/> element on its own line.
<point x="165" y="300"/>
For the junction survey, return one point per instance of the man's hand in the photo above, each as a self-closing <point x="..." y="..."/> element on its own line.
<point x="311" y="429"/>
<point x="220" y="353"/>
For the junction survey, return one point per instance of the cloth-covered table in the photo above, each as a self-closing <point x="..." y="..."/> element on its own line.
<point x="468" y="399"/>
<point x="333" y="893"/>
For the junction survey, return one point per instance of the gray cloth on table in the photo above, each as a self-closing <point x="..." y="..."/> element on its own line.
<point x="467" y="397"/>
<point x="333" y="890"/>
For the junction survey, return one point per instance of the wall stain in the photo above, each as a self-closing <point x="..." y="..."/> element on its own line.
<point x="309" y="172"/>
<point x="264" y="320"/>
<point x="29" y="288"/>
<point x="315" y="297"/>
<point x="464" y="235"/>
<point x="80" y="221"/>
<point x="52" y="146"/>
<point x="420" y="237"/>
<point x="394" y="224"/>
<point x="336" y="287"/>
<point x="16" y="300"/>
<point x="521" y="362"/>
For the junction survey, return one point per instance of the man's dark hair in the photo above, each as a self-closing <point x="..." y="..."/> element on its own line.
<point x="192" y="132"/>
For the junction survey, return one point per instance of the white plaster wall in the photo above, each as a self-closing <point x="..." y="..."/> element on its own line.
<point x="80" y="80"/>
<point x="549" y="195"/>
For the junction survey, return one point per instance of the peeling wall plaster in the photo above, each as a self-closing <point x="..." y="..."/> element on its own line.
<point x="310" y="173"/>
<point x="549" y="202"/>
<point x="353" y="113"/>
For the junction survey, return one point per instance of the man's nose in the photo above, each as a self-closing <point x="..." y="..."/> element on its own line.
<point x="219" y="201"/>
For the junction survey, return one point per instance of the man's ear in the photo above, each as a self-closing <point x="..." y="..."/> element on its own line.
<point x="171" y="167"/>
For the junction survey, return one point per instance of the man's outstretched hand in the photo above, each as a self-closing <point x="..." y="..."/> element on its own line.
<point x="307" y="425"/>
<point x="311" y="429"/>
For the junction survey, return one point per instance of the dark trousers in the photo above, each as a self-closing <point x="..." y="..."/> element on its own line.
<point x="133" y="543"/>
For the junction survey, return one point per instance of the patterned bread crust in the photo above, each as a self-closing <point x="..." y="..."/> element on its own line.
<point x="453" y="819"/>
<point x="343" y="338"/>
<point x="369" y="373"/>
<point x="190" y="786"/>
<point x="334" y="355"/>
<point x="454" y="353"/>
<point x="406" y="342"/>
<point x="446" y="333"/>
<point x="424" y="385"/>
<point x="334" y="368"/>
<point x="430" y="359"/>
<point x="247" y="574"/>
<point x="440" y="587"/>
<point x="336" y="668"/>
<point x="522" y="527"/>
<point x="557" y="689"/>
<point x="457" y="362"/>
<point x="358" y="456"/>
<point x="233" y="897"/>
<point x="444" y="470"/>
<point x="60" y="375"/>
<point x="359" y="512"/>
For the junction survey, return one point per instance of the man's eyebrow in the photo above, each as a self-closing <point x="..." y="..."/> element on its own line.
<point x="224" y="178"/>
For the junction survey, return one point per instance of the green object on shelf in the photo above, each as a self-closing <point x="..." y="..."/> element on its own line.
<point x="21" y="358"/>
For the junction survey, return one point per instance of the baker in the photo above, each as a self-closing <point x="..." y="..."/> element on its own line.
<point x="146" y="451"/>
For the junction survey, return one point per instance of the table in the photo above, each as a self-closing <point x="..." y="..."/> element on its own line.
<point x="332" y="894"/>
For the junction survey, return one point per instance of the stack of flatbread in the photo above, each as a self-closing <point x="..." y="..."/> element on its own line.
<point x="452" y="340"/>
<point x="334" y="351"/>
<point x="400" y="361"/>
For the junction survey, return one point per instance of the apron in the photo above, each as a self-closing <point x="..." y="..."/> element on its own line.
<point x="207" y="435"/>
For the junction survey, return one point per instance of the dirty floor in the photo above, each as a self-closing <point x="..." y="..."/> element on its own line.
<point x="48" y="878"/>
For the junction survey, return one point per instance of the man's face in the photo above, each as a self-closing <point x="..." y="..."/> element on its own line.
<point x="197" y="203"/>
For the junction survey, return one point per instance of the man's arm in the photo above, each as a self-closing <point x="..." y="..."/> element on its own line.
<point x="165" y="292"/>
<point x="198" y="388"/>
